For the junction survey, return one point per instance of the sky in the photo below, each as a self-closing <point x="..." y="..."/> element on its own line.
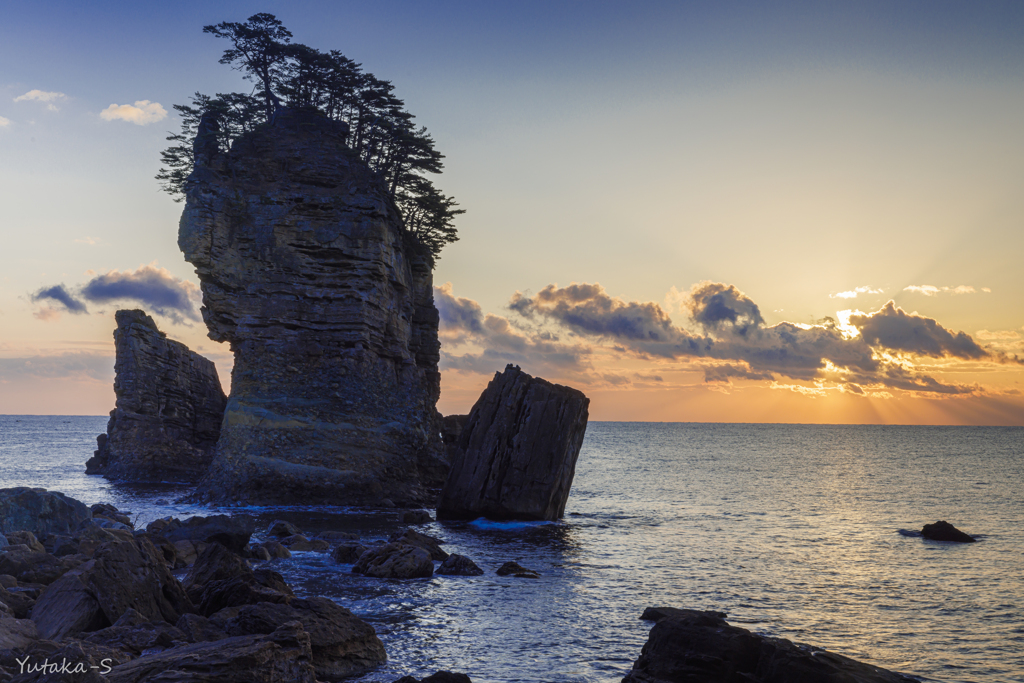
<point x="701" y="212"/>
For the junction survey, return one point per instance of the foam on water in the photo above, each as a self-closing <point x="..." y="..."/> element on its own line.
<point x="803" y="532"/>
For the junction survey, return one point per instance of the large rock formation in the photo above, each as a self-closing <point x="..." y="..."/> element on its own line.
<point x="518" y="450"/>
<point x="169" y="407"/>
<point x="328" y="306"/>
<point x="701" y="647"/>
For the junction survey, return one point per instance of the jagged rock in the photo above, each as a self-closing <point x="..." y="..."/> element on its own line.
<point x="517" y="454"/>
<point x="19" y="602"/>
<point x="198" y="629"/>
<point x="283" y="655"/>
<point x="169" y="407"/>
<point x="8" y="581"/>
<point x="276" y="550"/>
<point x="3" y="541"/>
<point x="415" y="517"/>
<point x="40" y="511"/>
<point x="31" y="566"/>
<point x="27" y="539"/>
<point x="232" y="532"/>
<point x="516" y="570"/>
<point x="108" y="511"/>
<point x="134" y="633"/>
<point x="395" y="561"/>
<point x="17" y="633"/>
<point x="414" y="538"/>
<point x="328" y="305"/>
<point x="701" y="647"/>
<point x="944" y="531"/>
<point x="298" y="542"/>
<point x="459" y="565"/>
<point x="122" y="575"/>
<point x="348" y="553"/>
<point x="216" y="563"/>
<point x="220" y="579"/>
<point x="281" y="529"/>
<point x="342" y="643"/>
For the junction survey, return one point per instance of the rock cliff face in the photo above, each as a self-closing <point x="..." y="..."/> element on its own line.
<point x="169" y="407"/>
<point x="517" y="450"/>
<point x="329" y="311"/>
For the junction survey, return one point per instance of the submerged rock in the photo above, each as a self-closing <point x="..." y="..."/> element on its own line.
<point x="944" y="531"/>
<point x="169" y="407"/>
<point x="459" y="565"/>
<point x="518" y="571"/>
<point x="327" y="303"/>
<point x="518" y="451"/>
<point x="701" y="647"/>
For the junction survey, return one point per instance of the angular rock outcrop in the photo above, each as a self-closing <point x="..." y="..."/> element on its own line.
<point x="517" y="452"/>
<point x="40" y="511"/>
<point x="328" y="306"/>
<point x="169" y="407"/>
<point x="701" y="647"/>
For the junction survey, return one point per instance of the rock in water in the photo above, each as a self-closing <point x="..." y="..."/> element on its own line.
<point x="169" y="407"/>
<point x="944" y="531"/>
<point x="701" y="647"/>
<point x="328" y="306"/>
<point x="518" y="451"/>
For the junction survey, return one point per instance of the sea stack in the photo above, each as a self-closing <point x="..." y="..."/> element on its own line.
<point x="170" y="403"/>
<point x="327" y="303"/>
<point x="517" y="451"/>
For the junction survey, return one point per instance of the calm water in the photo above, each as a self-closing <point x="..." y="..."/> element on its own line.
<point x="791" y="530"/>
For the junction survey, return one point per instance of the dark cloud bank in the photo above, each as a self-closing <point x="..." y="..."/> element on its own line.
<point x="154" y="288"/>
<point x="730" y="333"/>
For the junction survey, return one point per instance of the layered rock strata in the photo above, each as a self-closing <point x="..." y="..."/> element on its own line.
<point x="517" y="452"/>
<point x="328" y="307"/>
<point x="169" y="407"/>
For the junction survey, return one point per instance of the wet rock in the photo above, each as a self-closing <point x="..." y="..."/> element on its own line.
<point x="415" y="517"/>
<point x="283" y="655"/>
<point x="944" y="531"/>
<point x="169" y="407"/>
<point x="327" y="303"/>
<point x="459" y="565"/>
<point x="517" y="454"/>
<point x="276" y="550"/>
<point x="198" y="629"/>
<point x="416" y="539"/>
<point x="515" y="570"/>
<point x="701" y="647"/>
<point x="133" y="633"/>
<point x="395" y="561"/>
<point x="8" y="581"/>
<point x="231" y="532"/>
<point x="439" y="677"/>
<point x="342" y="644"/>
<point x="659" y="613"/>
<point x="108" y="511"/>
<point x="40" y="511"/>
<point x="299" y="543"/>
<point x="348" y="553"/>
<point x="186" y="552"/>
<point x="281" y="528"/>
<point x="122" y="575"/>
<point x="259" y="553"/>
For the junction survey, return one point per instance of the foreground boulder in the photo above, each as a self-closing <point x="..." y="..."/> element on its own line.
<point x="232" y="532"/>
<point x="944" y="531"/>
<point x="518" y="451"/>
<point x="327" y="302"/>
<point x="701" y="647"/>
<point x="40" y="511"/>
<point x="169" y="407"/>
<point x="395" y="561"/>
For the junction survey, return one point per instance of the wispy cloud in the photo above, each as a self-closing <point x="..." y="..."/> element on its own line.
<point x="92" y="241"/>
<point x="83" y="365"/>
<point x="932" y="290"/>
<point x="141" y="113"/>
<point x="4" y="122"/>
<point x="49" y="98"/>
<point x="854" y="293"/>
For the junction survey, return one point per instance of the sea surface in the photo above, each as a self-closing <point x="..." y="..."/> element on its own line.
<point x="799" y="531"/>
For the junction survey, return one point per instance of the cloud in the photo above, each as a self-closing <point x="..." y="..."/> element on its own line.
<point x="68" y="366"/>
<point x="61" y="295"/>
<point x="931" y="290"/>
<point x="141" y="113"/>
<point x="723" y="308"/>
<point x="895" y="329"/>
<point x="1001" y="335"/>
<point x="91" y="241"/>
<point x="723" y="373"/>
<point x="4" y="122"/>
<point x="153" y="287"/>
<point x="853" y="293"/>
<point x="41" y="96"/>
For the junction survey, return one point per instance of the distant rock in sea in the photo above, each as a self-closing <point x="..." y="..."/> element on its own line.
<point x="944" y="531"/>
<point x="169" y="407"/>
<point x="517" y="451"/>
<point x="327" y="302"/>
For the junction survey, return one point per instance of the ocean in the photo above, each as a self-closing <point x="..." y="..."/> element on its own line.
<point x="801" y="531"/>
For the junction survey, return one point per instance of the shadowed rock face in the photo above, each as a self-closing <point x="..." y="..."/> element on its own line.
<point x="169" y="407"/>
<point x="329" y="311"/>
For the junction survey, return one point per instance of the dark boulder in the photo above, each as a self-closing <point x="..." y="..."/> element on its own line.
<point x="336" y="536"/>
<point x="40" y="511"/>
<point x="415" y="517"/>
<point x="27" y="539"/>
<point x="516" y="570"/>
<point x="944" y="531"/>
<point x="517" y="454"/>
<point x="281" y="528"/>
<point x="198" y="629"/>
<point x="220" y="579"/>
<point x="348" y="553"/>
<point x="395" y="561"/>
<point x="459" y="565"/>
<point x="276" y="550"/>
<point x="31" y="566"/>
<point x="701" y="647"/>
<point x="134" y="633"/>
<point x="416" y="539"/>
<point x="232" y="532"/>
